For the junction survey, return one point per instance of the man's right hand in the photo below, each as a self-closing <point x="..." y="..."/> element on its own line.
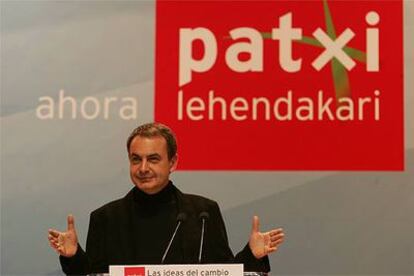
<point x="64" y="243"/>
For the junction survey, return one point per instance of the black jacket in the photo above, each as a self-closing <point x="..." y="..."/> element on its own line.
<point x="112" y="227"/>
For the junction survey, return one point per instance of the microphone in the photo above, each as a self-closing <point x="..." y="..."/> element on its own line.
<point x="203" y="216"/>
<point x="181" y="217"/>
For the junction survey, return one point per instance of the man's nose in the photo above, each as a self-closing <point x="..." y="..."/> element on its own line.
<point x="144" y="166"/>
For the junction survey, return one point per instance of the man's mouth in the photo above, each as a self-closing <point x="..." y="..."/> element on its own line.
<point x="145" y="179"/>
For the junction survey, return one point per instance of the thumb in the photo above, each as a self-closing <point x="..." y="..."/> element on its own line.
<point x="71" y="222"/>
<point x="255" y="224"/>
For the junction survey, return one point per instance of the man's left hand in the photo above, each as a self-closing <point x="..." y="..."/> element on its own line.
<point x="262" y="244"/>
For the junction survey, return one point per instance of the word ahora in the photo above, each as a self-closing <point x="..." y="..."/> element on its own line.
<point x="88" y="108"/>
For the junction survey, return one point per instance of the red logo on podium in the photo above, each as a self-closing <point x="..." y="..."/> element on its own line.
<point x="134" y="271"/>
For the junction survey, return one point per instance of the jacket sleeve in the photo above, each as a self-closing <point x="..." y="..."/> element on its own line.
<point x="76" y="265"/>
<point x="250" y="262"/>
<point x="94" y="260"/>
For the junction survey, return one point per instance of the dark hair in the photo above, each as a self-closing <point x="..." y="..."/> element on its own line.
<point x="155" y="130"/>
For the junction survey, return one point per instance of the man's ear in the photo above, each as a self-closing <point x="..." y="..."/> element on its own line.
<point x="173" y="163"/>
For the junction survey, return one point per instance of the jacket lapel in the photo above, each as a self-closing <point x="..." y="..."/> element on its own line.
<point x="191" y="231"/>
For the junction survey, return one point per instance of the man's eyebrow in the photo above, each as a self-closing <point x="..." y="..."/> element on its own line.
<point x="148" y="156"/>
<point x="153" y="155"/>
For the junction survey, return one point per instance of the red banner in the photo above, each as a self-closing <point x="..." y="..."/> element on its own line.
<point x="282" y="85"/>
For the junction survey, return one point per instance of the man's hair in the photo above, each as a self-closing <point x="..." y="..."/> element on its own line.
<point x="155" y="130"/>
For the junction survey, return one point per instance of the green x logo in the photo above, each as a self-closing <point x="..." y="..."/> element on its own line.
<point x="339" y="72"/>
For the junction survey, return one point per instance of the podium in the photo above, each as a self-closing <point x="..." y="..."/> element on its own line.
<point x="178" y="270"/>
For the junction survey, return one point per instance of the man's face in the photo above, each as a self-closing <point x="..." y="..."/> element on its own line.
<point x="149" y="166"/>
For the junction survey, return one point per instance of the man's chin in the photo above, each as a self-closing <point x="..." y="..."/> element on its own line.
<point x="148" y="187"/>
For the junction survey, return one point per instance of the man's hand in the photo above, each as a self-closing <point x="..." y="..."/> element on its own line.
<point x="262" y="244"/>
<point x="64" y="243"/>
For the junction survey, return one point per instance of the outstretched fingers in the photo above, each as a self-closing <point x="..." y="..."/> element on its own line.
<point x="276" y="234"/>
<point x="53" y="238"/>
<point x="54" y="233"/>
<point x="275" y="237"/>
<point x="270" y="249"/>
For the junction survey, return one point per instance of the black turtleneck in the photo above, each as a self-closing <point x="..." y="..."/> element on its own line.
<point x="156" y="221"/>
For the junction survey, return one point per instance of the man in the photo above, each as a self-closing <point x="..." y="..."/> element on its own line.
<point x="137" y="228"/>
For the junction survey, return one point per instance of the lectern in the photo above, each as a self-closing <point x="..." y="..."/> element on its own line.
<point x="177" y="270"/>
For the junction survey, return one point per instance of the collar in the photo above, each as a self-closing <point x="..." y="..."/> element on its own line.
<point x="164" y="196"/>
